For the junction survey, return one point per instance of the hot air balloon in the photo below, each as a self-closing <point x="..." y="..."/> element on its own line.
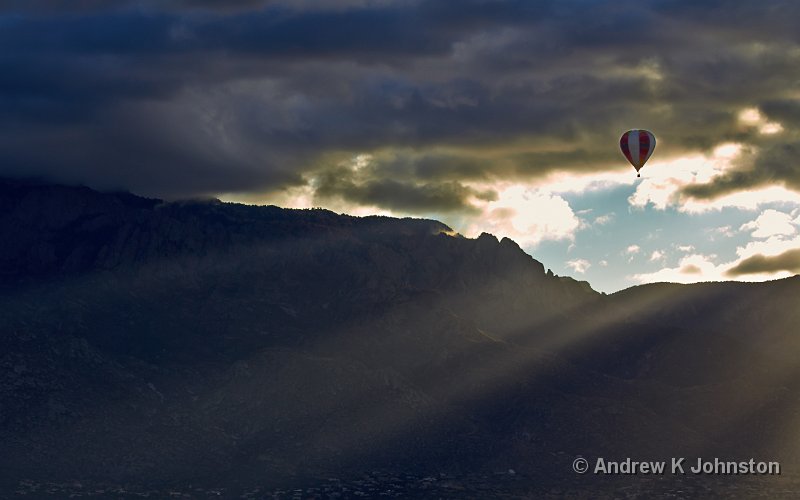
<point x="637" y="146"/>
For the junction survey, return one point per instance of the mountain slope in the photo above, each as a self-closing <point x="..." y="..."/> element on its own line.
<point x="151" y="343"/>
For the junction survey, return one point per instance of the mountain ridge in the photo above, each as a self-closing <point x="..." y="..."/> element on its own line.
<point x="84" y="203"/>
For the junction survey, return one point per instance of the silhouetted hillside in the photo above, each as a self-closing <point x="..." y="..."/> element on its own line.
<point x="155" y="344"/>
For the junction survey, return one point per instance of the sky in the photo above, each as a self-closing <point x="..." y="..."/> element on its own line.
<point x="489" y="115"/>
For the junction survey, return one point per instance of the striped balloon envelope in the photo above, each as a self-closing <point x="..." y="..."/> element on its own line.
<point x="637" y="146"/>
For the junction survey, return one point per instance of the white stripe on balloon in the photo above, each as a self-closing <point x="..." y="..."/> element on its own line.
<point x="633" y="145"/>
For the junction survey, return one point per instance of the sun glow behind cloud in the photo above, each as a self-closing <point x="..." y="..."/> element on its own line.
<point x="752" y="117"/>
<point x="661" y="186"/>
<point x="526" y="214"/>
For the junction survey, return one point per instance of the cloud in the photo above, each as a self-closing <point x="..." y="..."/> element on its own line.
<point x="194" y="97"/>
<point x="769" y="162"/>
<point x="400" y="196"/>
<point x="761" y="264"/>
<point x="691" y="268"/>
<point x="771" y="258"/>
<point x="725" y="231"/>
<point x="579" y="265"/>
<point x="752" y="117"/>
<point x="771" y="223"/>
<point x="359" y="185"/>
<point x="604" y="219"/>
<point x="526" y="214"/>
<point x="665" y="182"/>
<point x="697" y="183"/>
<point x="631" y="251"/>
<point x="772" y="254"/>
<point x="657" y="255"/>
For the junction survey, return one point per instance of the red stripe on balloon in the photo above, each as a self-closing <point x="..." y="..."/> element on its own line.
<point x="644" y="145"/>
<point x="623" y="144"/>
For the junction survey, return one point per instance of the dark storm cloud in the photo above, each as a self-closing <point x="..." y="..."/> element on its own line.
<point x="430" y="166"/>
<point x="580" y="159"/>
<point x="211" y="5"/>
<point x="198" y="97"/>
<point x="786" y="111"/>
<point x="364" y="188"/>
<point x="396" y="195"/>
<point x="787" y="261"/>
